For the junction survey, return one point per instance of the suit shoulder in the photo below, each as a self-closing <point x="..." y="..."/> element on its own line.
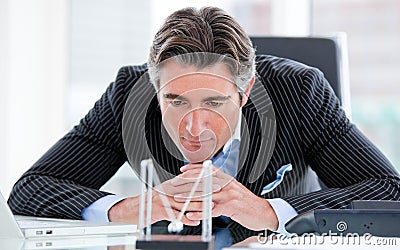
<point x="119" y="90"/>
<point x="131" y="73"/>
<point x="277" y="67"/>
<point x="126" y="78"/>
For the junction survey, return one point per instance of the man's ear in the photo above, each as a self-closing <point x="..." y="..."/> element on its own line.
<point x="247" y="91"/>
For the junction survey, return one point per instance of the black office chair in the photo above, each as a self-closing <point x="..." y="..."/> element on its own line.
<point x="329" y="54"/>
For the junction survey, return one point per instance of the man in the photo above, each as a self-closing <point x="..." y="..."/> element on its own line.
<point x="207" y="110"/>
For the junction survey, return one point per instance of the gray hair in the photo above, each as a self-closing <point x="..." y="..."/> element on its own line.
<point x="203" y="38"/>
<point x="241" y="73"/>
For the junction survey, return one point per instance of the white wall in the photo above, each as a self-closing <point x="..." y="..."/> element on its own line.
<point x="290" y="17"/>
<point x="33" y="76"/>
<point x="3" y="90"/>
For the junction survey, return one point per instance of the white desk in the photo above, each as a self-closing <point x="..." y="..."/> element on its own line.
<point x="127" y="242"/>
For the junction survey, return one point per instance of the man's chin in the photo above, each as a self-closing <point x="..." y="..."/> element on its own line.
<point x="196" y="157"/>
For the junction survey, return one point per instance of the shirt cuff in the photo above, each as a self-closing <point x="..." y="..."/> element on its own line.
<point x="98" y="210"/>
<point x="284" y="212"/>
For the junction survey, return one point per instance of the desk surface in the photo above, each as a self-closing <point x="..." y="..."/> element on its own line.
<point x="127" y="242"/>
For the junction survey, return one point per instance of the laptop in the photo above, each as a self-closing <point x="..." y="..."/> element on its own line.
<point x="23" y="227"/>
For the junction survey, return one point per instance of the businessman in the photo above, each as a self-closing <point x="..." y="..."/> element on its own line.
<point x="212" y="99"/>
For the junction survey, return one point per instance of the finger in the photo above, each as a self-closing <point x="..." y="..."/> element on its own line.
<point x="175" y="186"/>
<point x="185" y="220"/>
<point x="187" y="177"/>
<point x="191" y="176"/>
<point x="183" y="200"/>
<point x="190" y="209"/>
<point x="194" y="216"/>
<point x="224" y="181"/>
<point x="196" y="208"/>
<point x="192" y="206"/>
<point x="170" y="203"/>
<point x="180" y="189"/>
<point x="196" y="196"/>
<point x="184" y="191"/>
<point x="198" y="215"/>
<point x="191" y="166"/>
<point x="195" y="166"/>
<point x="189" y="222"/>
<point x="184" y="185"/>
<point x="160" y="212"/>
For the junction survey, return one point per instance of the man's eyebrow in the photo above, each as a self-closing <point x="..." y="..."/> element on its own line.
<point x="174" y="96"/>
<point x="216" y="98"/>
<point x="207" y="99"/>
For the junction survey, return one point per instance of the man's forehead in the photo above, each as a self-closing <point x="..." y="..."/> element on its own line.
<point x="171" y="71"/>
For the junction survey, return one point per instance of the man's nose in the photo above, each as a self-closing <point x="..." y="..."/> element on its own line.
<point x="196" y="122"/>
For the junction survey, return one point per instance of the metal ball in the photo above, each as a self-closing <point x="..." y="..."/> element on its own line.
<point x="175" y="227"/>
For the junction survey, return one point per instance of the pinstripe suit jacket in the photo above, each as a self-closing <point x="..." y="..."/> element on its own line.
<point x="312" y="130"/>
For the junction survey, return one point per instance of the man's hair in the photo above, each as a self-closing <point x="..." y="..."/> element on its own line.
<point x="191" y="36"/>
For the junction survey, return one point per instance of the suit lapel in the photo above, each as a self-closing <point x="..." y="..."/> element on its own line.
<point x="257" y="140"/>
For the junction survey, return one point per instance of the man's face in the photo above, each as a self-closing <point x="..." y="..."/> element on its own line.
<point x="200" y="108"/>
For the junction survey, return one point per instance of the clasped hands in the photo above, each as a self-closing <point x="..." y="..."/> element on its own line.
<point x="230" y="198"/>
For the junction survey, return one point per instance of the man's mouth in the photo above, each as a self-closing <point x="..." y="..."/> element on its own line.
<point x="190" y="143"/>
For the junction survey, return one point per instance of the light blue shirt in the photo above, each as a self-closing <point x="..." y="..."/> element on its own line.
<point x="227" y="160"/>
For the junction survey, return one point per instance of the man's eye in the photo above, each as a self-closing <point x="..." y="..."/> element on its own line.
<point x="177" y="103"/>
<point x="214" y="104"/>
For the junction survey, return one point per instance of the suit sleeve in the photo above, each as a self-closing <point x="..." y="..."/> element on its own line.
<point x="67" y="178"/>
<point x="344" y="159"/>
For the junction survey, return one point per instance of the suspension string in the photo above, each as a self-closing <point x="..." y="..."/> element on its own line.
<point x="183" y="210"/>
